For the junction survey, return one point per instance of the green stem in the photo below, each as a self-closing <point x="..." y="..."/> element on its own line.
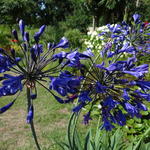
<point x="69" y="131"/>
<point x="32" y="123"/>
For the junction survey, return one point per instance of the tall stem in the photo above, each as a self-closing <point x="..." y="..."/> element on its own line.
<point x="32" y="123"/>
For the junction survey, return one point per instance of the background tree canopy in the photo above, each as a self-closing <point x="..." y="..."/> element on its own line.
<point x="70" y="16"/>
<point x="51" y="12"/>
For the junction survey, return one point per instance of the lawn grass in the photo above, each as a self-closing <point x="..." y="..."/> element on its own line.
<point x="51" y="119"/>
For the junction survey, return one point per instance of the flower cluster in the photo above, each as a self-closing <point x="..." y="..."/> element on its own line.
<point x="133" y="39"/>
<point x="93" y="41"/>
<point x="114" y="82"/>
<point x="34" y="68"/>
<point x="118" y="87"/>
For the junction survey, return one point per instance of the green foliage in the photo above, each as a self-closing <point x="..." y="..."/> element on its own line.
<point x="75" y="37"/>
<point x="102" y="140"/>
<point x="144" y="9"/>
<point x="52" y="33"/>
<point x="12" y="10"/>
<point x="4" y="37"/>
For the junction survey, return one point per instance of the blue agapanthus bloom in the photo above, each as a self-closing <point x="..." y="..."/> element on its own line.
<point x="125" y="38"/>
<point x="33" y="69"/>
<point x="118" y="86"/>
<point x="66" y="85"/>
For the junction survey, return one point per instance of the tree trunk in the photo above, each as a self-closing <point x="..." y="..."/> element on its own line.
<point x="125" y="17"/>
<point x="137" y="3"/>
<point x="94" y="25"/>
<point x="95" y="22"/>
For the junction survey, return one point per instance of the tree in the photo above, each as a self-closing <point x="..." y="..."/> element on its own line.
<point x="11" y="11"/>
<point x="50" y="12"/>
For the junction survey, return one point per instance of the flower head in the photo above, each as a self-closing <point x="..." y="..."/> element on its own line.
<point x="35" y="68"/>
<point x="115" y="85"/>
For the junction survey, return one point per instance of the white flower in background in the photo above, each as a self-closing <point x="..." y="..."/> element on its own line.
<point x="93" y="40"/>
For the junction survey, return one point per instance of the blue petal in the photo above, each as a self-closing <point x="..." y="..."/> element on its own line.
<point x="110" y="103"/>
<point x="120" y="118"/>
<point x="64" y="43"/>
<point x="6" y="107"/>
<point x="136" y="18"/>
<point x="78" y="107"/>
<point x="30" y="114"/>
<point x="22" y="27"/>
<point x="84" y="96"/>
<point x="88" y="52"/>
<point x="39" y="33"/>
<point x="125" y="95"/>
<point x="26" y="37"/>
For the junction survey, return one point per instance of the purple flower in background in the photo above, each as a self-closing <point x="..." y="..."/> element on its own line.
<point x="125" y="38"/>
<point x="136" y="18"/>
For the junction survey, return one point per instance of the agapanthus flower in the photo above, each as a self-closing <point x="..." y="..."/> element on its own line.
<point x="33" y="69"/>
<point x="118" y="86"/>
<point x="125" y="38"/>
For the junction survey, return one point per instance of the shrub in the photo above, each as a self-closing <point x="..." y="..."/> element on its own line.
<point x="75" y="37"/>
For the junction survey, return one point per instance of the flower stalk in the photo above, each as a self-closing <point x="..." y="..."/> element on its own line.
<point x="29" y="103"/>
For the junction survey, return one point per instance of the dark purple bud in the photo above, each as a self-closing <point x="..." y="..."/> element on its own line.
<point x="33" y="55"/>
<point x="86" y="118"/>
<point x="13" y="52"/>
<point x="24" y="46"/>
<point x="1" y="50"/>
<point x="30" y="114"/>
<point x="22" y="27"/>
<point x="6" y="107"/>
<point x="26" y="37"/>
<point x="59" y="99"/>
<point x="33" y="96"/>
<point x="15" y="34"/>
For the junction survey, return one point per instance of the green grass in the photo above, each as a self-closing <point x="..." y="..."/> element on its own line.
<point x="50" y="119"/>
